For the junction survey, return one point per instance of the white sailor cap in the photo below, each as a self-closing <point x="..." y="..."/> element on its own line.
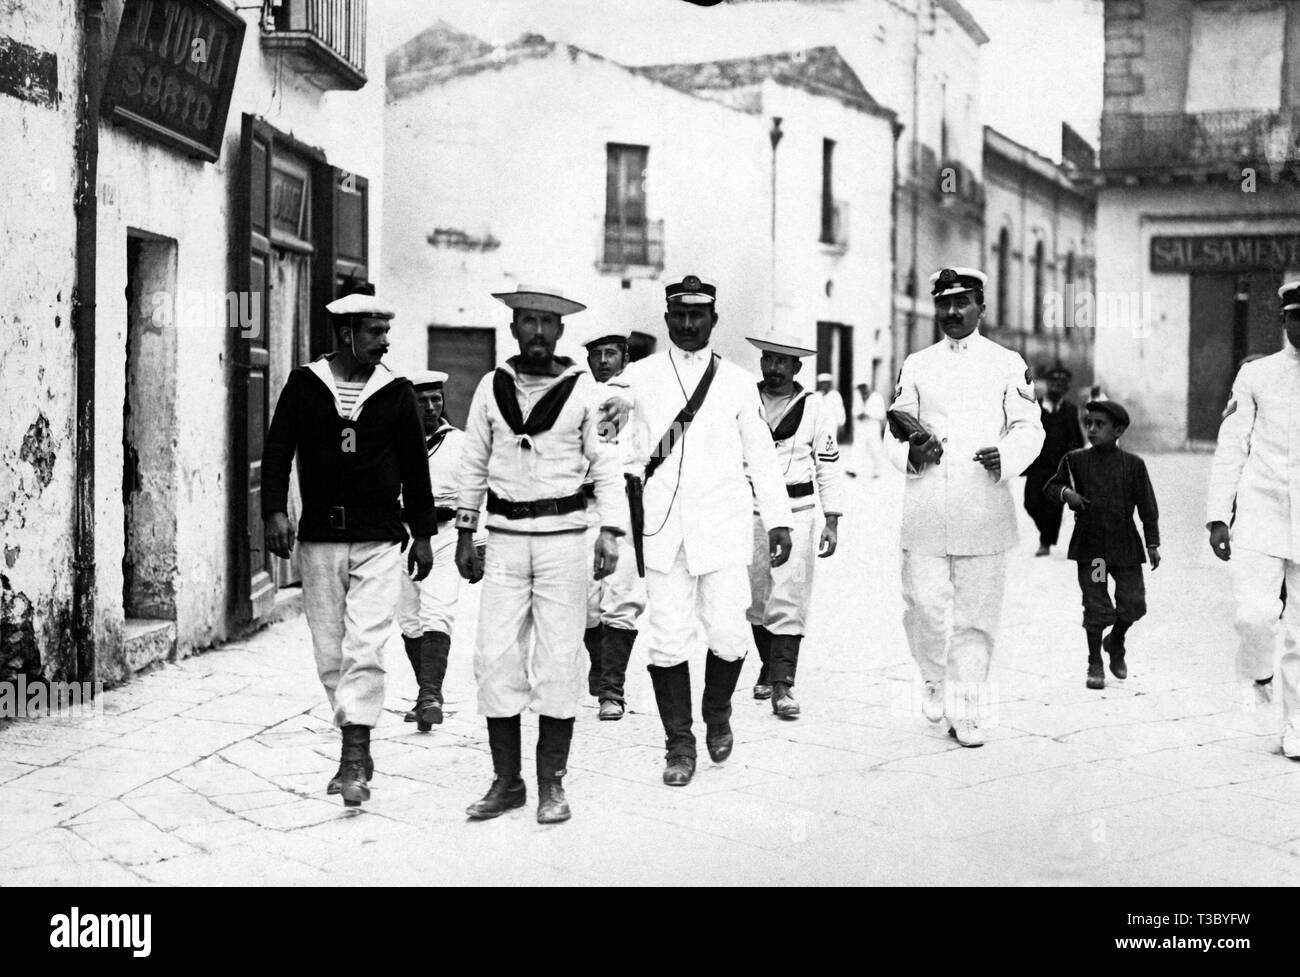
<point x="606" y="334"/>
<point x="954" y="281"/>
<point x="1290" y="295"/>
<point x="362" y="305"/>
<point x="539" y="298"/>
<point x="825" y="377"/>
<point x="692" y="290"/>
<point x="428" y="378"/>
<point x="785" y="343"/>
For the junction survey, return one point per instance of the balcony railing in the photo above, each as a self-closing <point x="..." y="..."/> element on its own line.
<point x="1208" y="140"/>
<point x="638" y="244"/>
<point x="835" y="224"/>
<point x="325" y="40"/>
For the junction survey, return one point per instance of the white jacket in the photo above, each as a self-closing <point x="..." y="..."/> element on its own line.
<point x="971" y="394"/>
<point x="1257" y="461"/>
<point x="700" y="497"/>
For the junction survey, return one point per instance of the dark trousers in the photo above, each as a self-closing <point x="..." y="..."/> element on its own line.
<point x="1130" y="594"/>
<point x="1045" y="513"/>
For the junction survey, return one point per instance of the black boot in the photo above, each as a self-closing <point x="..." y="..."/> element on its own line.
<point x="1114" y="645"/>
<point x="434" y="647"/>
<point x="785" y="661"/>
<point x="673" y="696"/>
<point x="763" y="642"/>
<point x="354" y="777"/>
<point x="507" y="791"/>
<point x="616" y="650"/>
<point x="591" y="638"/>
<point x="412" y="656"/>
<point x="715" y="705"/>
<point x="1096" y="674"/>
<point x="335" y="785"/>
<point x="553" y="739"/>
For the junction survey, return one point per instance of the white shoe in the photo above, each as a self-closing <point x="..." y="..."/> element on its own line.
<point x="1291" y="741"/>
<point x="967" y="732"/>
<point x="932" y="701"/>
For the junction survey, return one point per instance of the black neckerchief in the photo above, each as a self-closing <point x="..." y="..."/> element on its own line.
<point x="793" y="417"/>
<point x="432" y="442"/>
<point x="544" y="413"/>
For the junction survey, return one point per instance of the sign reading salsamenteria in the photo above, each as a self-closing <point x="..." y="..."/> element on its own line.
<point x="173" y="70"/>
<point x="1226" y="252"/>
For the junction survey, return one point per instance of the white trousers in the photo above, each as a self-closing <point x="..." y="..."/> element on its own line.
<point x="780" y="598"/>
<point x="619" y="599"/>
<point x="952" y="612"/>
<point x="529" y="652"/>
<point x="348" y="599"/>
<point x="686" y="614"/>
<point x="430" y="605"/>
<point x="1256" y="585"/>
<point x="868" y="451"/>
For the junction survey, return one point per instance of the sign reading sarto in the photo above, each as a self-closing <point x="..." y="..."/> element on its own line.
<point x="1226" y="252"/>
<point x="173" y="70"/>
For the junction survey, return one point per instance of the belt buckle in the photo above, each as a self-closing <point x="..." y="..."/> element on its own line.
<point x="519" y="510"/>
<point x="551" y="507"/>
<point x="338" y="517"/>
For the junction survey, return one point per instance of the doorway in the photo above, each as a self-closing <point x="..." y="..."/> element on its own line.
<point x="835" y="356"/>
<point x="465" y="355"/>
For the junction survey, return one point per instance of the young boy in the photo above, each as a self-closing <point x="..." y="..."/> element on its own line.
<point x="1102" y="484"/>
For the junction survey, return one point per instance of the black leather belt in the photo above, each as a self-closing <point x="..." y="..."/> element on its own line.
<point x="343" y="517"/>
<point x="799" y="490"/>
<point x="511" y="509"/>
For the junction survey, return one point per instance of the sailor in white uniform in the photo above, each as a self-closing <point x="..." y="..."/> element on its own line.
<point x="803" y="432"/>
<point x="1253" y="515"/>
<point x="976" y="401"/>
<point x="700" y="425"/>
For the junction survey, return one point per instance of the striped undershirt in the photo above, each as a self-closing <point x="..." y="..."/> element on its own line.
<point x="348" y="394"/>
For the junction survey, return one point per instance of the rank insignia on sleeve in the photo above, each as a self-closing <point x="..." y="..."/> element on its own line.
<point x="1228" y="411"/>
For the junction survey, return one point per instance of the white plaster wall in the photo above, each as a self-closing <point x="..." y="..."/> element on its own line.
<point x="486" y="154"/>
<point x="37" y="370"/>
<point x="1148" y="371"/>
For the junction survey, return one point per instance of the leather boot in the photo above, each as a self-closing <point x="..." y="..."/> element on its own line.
<point x="354" y="780"/>
<point x="413" y="656"/>
<point x="763" y="642"/>
<point x="715" y="705"/>
<point x="335" y="785"/>
<point x="673" y="696"/>
<point x="591" y="638"/>
<point x="553" y="739"/>
<point x="616" y="650"/>
<point x="434" y="647"/>
<point x="785" y="661"/>
<point x="1113" y="643"/>
<point x="1096" y="671"/>
<point x="507" y="791"/>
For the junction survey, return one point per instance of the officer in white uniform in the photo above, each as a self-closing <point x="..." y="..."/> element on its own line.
<point x="531" y="439"/>
<point x="698" y="524"/>
<point x="976" y="400"/>
<point x="1256" y="475"/>
<point x="426" y="610"/>
<point x="615" y="603"/>
<point x="803" y="432"/>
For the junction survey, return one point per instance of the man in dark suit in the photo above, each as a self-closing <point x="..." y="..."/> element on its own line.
<point x="1062" y="434"/>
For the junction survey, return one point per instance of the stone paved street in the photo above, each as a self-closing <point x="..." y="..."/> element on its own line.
<point x="213" y="770"/>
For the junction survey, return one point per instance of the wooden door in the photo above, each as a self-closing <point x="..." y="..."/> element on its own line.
<point x="1211" y="352"/>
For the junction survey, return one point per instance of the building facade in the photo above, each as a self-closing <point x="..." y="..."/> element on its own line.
<point x="1198" y="203"/>
<point x="232" y="182"/>
<point x="1039" y="255"/>
<point x="674" y="169"/>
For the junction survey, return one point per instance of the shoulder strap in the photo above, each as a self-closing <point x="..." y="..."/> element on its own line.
<point x="682" y="422"/>
<point x="544" y="413"/>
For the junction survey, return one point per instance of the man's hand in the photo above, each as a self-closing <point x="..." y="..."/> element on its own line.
<point x="606" y="561"/>
<point x="1221" y="540"/>
<point x="778" y="545"/>
<point x="830" y="537"/>
<point x="1074" y="500"/>
<point x="924" y="450"/>
<point x="279" y="535"/>
<point x="469" y="559"/>
<point x="991" y="460"/>
<point x="419" y="558"/>
<point x="613" y="415"/>
<point x="1153" y="554"/>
